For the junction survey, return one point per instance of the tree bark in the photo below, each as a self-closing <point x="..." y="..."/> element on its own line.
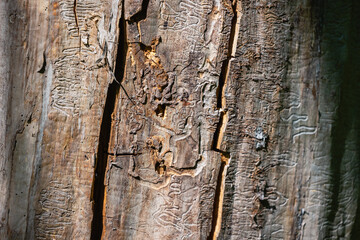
<point x="156" y="119"/>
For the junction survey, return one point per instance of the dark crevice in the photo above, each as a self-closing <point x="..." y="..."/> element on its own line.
<point x="216" y="201"/>
<point x="75" y="16"/>
<point x="43" y="67"/>
<point x="144" y="47"/>
<point x="226" y="64"/>
<point x="77" y="23"/>
<point x="160" y="110"/>
<point x="220" y="130"/>
<point x="141" y="15"/>
<point x="217" y="133"/>
<point x="160" y="168"/>
<point x="98" y="188"/>
<point x="101" y="163"/>
<point x="222" y="80"/>
<point x="219" y="194"/>
<point x="265" y="204"/>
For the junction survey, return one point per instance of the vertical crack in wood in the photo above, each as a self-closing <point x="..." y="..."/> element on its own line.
<point x="219" y="197"/>
<point x="98" y="188"/>
<point x="75" y="16"/>
<point x="234" y="32"/>
<point x="221" y="127"/>
<point x="142" y="14"/>
<point x="77" y="23"/>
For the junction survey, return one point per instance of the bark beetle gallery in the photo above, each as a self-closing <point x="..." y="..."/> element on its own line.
<point x="180" y="119"/>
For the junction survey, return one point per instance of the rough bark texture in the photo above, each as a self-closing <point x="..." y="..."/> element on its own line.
<point x="181" y="119"/>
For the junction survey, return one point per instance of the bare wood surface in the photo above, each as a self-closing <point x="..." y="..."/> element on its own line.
<point x="201" y="119"/>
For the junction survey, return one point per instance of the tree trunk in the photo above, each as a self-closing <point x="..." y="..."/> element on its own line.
<point x="182" y="119"/>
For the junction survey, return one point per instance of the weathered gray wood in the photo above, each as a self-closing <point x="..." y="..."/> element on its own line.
<point x="201" y="119"/>
<point x="5" y="150"/>
<point x="58" y="90"/>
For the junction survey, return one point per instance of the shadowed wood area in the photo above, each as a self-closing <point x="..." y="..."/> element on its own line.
<point x="159" y="119"/>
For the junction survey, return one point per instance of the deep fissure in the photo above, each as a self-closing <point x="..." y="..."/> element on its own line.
<point x="98" y="187"/>
<point x="141" y="15"/>
<point x="218" y="134"/>
<point x="220" y="129"/>
<point x="230" y="54"/>
<point x="219" y="197"/>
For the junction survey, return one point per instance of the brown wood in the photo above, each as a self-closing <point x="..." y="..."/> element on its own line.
<point x="182" y="119"/>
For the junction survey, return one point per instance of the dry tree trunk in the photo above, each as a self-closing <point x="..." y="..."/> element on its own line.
<point x="182" y="119"/>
